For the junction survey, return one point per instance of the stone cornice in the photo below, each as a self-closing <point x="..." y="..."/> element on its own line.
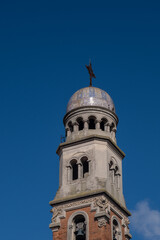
<point x="86" y="108"/>
<point x="89" y="138"/>
<point x="56" y="202"/>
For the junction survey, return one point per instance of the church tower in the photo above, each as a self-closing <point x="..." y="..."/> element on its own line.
<point x="89" y="204"/>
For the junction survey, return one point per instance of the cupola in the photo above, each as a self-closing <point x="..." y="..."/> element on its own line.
<point x="90" y="111"/>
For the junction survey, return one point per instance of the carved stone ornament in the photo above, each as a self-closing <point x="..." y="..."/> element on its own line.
<point x="116" y="233"/>
<point x="98" y="204"/>
<point x="70" y="226"/>
<point x="127" y="222"/>
<point x="56" y="212"/>
<point x="102" y="203"/>
<point x="101" y="222"/>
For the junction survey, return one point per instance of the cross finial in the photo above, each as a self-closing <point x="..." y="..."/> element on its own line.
<point x="90" y="71"/>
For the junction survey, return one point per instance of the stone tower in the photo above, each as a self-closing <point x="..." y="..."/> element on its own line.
<point x="89" y="204"/>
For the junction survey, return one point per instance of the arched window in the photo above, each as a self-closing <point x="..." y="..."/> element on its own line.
<point x="116" y="232"/>
<point x="85" y="166"/>
<point x="80" y="123"/>
<point x="79" y="227"/>
<point x="116" y="170"/>
<point x="102" y="124"/>
<point x="74" y="166"/>
<point x="70" y="125"/>
<point x="92" y="124"/>
<point x="111" y="165"/>
<point x="112" y="170"/>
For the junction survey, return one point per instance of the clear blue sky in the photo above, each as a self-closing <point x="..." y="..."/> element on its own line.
<point x="44" y="46"/>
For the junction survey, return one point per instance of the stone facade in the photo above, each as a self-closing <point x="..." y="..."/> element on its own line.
<point x="90" y="201"/>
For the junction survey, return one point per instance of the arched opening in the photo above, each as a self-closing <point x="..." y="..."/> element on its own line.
<point x="70" y="125"/>
<point x="79" y="227"/>
<point x="111" y="165"/>
<point x="74" y="166"/>
<point x="112" y="126"/>
<point x="102" y="124"/>
<point x="116" y="169"/>
<point x="80" y="124"/>
<point x="92" y="124"/>
<point x="116" y="230"/>
<point x="85" y="166"/>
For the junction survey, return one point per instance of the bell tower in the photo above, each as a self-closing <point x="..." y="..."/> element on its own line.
<point x="89" y="204"/>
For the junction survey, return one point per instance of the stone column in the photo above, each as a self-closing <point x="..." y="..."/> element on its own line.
<point x="86" y="124"/>
<point x="105" y="127"/>
<point x="69" y="174"/>
<point x="75" y="127"/>
<point x="68" y="132"/>
<point x="97" y="124"/>
<point x="113" y="134"/>
<point x="108" y="125"/>
<point x="118" y="179"/>
<point x="112" y="176"/>
<point x="79" y="170"/>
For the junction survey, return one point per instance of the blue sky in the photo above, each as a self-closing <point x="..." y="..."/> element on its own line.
<point x="44" y="46"/>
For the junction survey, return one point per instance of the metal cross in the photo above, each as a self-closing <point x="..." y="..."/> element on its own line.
<point x="90" y="71"/>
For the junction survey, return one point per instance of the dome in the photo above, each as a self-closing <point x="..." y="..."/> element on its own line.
<point x="90" y="96"/>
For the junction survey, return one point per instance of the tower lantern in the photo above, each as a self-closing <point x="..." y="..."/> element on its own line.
<point x="89" y="204"/>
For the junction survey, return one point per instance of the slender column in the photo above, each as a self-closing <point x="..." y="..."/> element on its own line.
<point x="69" y="174"/>
<point x="97" y="124"/>
<point x="112" y="176"/>
<point x="75" y="127"/>
<point x="108" y="127"/>
<point x="113" y="133"/>
<point x="68" y="132"/>
<point x="86" y="124"/>
<point x="79" y="170"/>
<point x="118" y="183"/>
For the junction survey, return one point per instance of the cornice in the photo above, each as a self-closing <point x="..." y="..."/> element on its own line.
<point x="87" y="139"/>
<point x="86" y="108"/>
<point x="56" y="202"/>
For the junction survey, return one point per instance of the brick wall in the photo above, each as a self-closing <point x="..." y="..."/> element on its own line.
<point x="95" y="233"/>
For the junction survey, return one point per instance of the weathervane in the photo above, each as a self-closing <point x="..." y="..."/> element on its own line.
<point x="90" y="71"/>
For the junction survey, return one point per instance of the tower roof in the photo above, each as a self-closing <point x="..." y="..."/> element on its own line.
<point x="90" y="96"/>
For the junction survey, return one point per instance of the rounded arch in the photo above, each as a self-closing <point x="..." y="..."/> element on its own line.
<point x="102" y="123"/>
<point x="112" y="163"/>
<point x="116" y="169"/>
<point x="71" y="224"/>
<point x="112" y="126"/>
<point x="74" y="167"/>
<point x="116" y="229"/>
<point x="85" y="166"/>
<point x="80" y="123"/>
<point x="92" y="122"/>
<point x="70" y="125"/>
